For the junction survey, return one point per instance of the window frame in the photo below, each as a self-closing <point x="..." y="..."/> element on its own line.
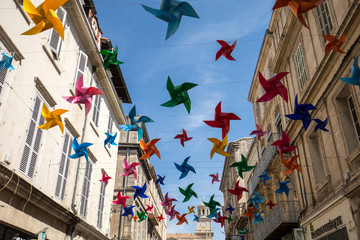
<point x="3" y="72"/>
<point x="53" y="33"/>
<point x="100" y="212"/>
<point x="300" y="66"/>
<point x="321" y="11"/>
<point x="85" y="189"/>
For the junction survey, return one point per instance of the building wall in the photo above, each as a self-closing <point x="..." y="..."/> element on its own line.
<point x="329" y="160"/>
<point x="39" y="73"/>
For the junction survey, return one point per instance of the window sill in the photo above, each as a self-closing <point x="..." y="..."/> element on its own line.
<point x="353" y="160"/>
<point x="22" y="11"/>
<point x="49" y="54"/>
<point x="94" y="127"/>
<point x="324" y="189"/>
<point x="107" y="150"/>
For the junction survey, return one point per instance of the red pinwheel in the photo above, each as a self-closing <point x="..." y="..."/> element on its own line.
<point x="258" y="132"/>
<point x="334" y="43"/>
<point x="220" y="219"/>
<point x="183" y="137"/>
<point x="238" y="191"/>
<point x="225" y="50"/>
<point x="222" y="120"/>
<point x="149" y="208"/>
<point x="105" y="179"/>
<point x="149" y="148"/>
<point x="283" y="144"/>
<point x="171" y="212"/>
<point x="160" y="218"/>
<point x="273" y="87"/>
<point x="215" y="177"/>
<point x="270" y="204"/>
<point x="298" y="7"/>
<point x="120" y="200"/>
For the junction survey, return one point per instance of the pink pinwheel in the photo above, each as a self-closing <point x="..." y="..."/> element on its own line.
<point x="259" y="132"/>
<point x="149" y="208"/>
<point x="167" y="201"/>
<point x="120" y="200"/>
<point x="129" y="169"/>
<point x="171" y="212"/>
<point x="105" y="178"/>
<point x="83" y="95"/>
<point x="284" y="144"/>
<point x="215" y="178"/>
<point x="273" y="87"/>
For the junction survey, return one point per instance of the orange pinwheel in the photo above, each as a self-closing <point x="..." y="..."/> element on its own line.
<point x="149" y="148"/>
<point x="181" y="219"/>
<point x="291" y="164"/>
<point x="249" y="212"/>
<point x="44" y="16"/>
<point x="135" y="218"/>
<point x="52" y="118"/>
<point x="298" y="7"/>
<point x="334" y="43"/>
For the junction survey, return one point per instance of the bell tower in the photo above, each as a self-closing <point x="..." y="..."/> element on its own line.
<point x="203" y="227"/>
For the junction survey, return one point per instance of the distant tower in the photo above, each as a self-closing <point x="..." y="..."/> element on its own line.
<point x="203" y="227"/>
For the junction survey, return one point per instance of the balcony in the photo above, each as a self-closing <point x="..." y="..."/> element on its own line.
<point x="266" y="158"/>
<point x="281" y="220"/>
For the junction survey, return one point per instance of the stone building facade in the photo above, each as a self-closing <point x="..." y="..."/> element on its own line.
<point x="40" y="187"/>
<point x="324" y="199"/>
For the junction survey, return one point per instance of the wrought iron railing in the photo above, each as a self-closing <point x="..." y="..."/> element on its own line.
<point x="285" y="212"/>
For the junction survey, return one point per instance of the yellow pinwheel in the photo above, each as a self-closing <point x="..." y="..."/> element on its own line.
<point x="219" y="146"/>
<point x="52" y="118"/>
<point x="191" y="209"/>
<point x="44" y="16"/>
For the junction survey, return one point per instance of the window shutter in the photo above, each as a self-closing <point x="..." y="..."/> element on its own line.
<point x="110" y="125"/>
<point x="3" y="73"/>
<point x="55" y="40"/>
<point x="81" y="65"/>
<point x="63" y="168"/>
<point x="101" y="205"/>
<point x="85" y="190"/>
<point x="96" y="109"/>
<point x="33" y="140"/>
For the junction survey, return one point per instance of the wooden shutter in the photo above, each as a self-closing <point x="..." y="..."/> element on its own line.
<point x="33" y="140"/>
<point x="55" y="40"/>
<point x="85" y="190"/>
<point x="64" y="167"/>
<point x="101" y="205"/>
<point x="81" y="65"/>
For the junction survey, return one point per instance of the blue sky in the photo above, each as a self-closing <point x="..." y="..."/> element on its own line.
<point x="188" y="56"/>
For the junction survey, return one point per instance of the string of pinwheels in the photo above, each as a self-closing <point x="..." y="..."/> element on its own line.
<point x="171" y="11"/>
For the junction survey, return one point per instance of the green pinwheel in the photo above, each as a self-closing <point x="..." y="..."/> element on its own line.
<point x="188" y="192"/>
<point x="110" y="57"/>
<point x="242" y="166"/>
<point x="230" y="219"/>
<point x="141" y="216"/>
<point x="212" y="204"/>
<point x="179" y="94"/>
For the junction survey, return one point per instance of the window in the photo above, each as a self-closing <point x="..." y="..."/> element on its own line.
<point x="110" y="126"/>
<point x="96" y="109"/>
<point x="55" y="40"/>
<point x="80" y="69"/>
<point x="316" y="157"/>
<point x="64" y="167"/>
<point x="3" y="72"/>
<point x="324" y="19"/>
<point x="33" y="139"/>
<point x="85" y="190"/>
<point x="300" y="66"/>
<point x="278" y="124"/>
<point x="258" y="111"/>
<point x="349" y="119"/>
<point x="101" y="205"/>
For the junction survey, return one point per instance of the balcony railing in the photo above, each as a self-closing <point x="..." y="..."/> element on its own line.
<point x="266" y="158"/>
<point x="282" y="219"/>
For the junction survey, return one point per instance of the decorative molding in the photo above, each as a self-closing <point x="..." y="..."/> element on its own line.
<point x="71" y="128"/>
<point x="44" y="92"/>
<point x="10" y="45"/>
<point x="49" y="54"/>
<point x="22" y="11"/>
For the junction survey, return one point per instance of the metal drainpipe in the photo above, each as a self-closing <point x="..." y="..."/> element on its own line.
<point x="124" y="185"/>
<point x="78" y="165"/>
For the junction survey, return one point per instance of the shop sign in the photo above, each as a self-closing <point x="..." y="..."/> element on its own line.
<point x="327" y="227"/>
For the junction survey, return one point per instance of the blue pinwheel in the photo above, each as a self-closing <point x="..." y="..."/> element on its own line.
<point x="136" y="121"/>
<point x="321" y="124"/>
<point x="80" y="150"/>
<point x="128" y="210"/>
<point x="258" y="218"/>
<point x="230" y="209"/>
<point x="184" y="168"/>
<point x="214" y="214"/>
<point x="265" y="177"/>
<point x="301" y="112"/>
<point x="160" y="180"/>
<point x="171" y="11"/>
<point x="283" y="188"/>
<point x="354" y="78"/>
<point x="140" y="191"/>
<point x="196" y="218"/>
<point x="256" y="199"/>
<point x="110" y="139"/>
<point x="6" y="62"/>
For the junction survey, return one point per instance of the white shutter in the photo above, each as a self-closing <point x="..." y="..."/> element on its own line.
<point x="96" y="109"/>
<point x="110" y="125"/>
<point x="33" y="140"/>
<point x="3" y="72"/>
<point x="85" y="190"/>
<point x="101" y="205"/>
<point x="80" y="69"/>
<point x="55" y="40"/>
<point x="64" y="167"/>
